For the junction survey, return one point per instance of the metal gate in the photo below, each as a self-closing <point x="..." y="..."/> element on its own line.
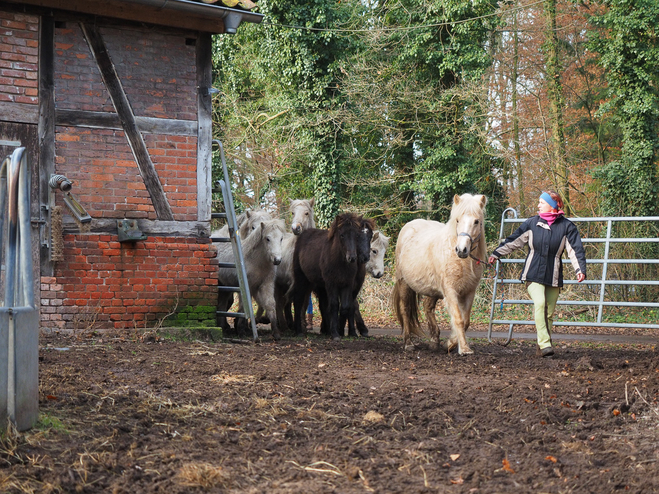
<point x="19" y="318"/>
<point x="597" y="288"/>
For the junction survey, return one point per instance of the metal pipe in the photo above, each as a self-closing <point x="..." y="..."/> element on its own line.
<point x="60" y="182"/>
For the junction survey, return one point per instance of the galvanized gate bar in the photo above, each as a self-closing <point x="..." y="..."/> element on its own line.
<point x="19" y="318"/>
<point x="602" y="283"/>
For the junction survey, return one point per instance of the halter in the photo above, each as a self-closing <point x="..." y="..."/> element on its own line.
<point x="473" y="247"/>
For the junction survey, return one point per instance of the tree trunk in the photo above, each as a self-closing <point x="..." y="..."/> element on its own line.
<point x="556" y="102"/>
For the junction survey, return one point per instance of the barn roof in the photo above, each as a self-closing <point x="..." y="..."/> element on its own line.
<point x="214" y="16"/>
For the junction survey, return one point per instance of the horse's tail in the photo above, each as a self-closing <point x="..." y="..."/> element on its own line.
<point x="411" y="309"/>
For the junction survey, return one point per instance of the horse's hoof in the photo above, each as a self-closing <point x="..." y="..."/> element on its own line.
<point x="466" y="351"/>
<point x="336" y="338"/>
<point x="409" y="347"/>
<point x="352" y="334"/>
<point x="449" y="346"/>
<point x="364" y="333"/>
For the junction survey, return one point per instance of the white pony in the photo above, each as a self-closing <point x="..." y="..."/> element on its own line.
<point x="247" y="222"/>
<point x="302" y="218"/>
<point x="262" y="253"/>
<point x="441" y="261"/>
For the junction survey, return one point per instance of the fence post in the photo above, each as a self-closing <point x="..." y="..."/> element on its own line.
<point x="19" y="318"/>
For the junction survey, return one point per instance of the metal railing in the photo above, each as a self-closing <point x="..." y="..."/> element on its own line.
<point x="234" y="237"/>
<point x="19" y="318"/>
<point x="608" y="240"/>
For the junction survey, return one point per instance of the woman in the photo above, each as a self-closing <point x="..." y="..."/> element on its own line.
<point x="548" y="234"/>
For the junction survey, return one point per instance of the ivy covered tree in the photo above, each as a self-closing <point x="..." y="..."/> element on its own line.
<point x="628" y="43"/>
<point x="415" y="106"/>
<point x="367" y="107"/>
<point x="278" y="85"/>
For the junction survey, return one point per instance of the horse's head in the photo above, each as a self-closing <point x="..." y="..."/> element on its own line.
<point x="250" y="220"/>
<point x="302" y="215"/>
<point x="346" y="232"/>
<point x="366" y="226"/>
<point x="468" y="216"/>
<point x="379" y="244"/>
<point x="272" y="235"/>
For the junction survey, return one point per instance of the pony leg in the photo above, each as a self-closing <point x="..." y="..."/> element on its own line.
<point x="266" y="298"/>
<point x="224" y="302"/>
<point x="259" y="317"/>
<point x="359" y="321"/>
<point x="405" y="306"/>
<point x="300" y="299"/>
<point x="429" y="304"/>
<point x="459" y="323"/>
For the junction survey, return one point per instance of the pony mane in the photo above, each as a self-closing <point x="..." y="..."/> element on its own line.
<point x="468" y="204"/>
<point x="351" y="218"/>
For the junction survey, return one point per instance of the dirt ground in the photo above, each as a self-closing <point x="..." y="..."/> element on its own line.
<point x="128" y="414"/>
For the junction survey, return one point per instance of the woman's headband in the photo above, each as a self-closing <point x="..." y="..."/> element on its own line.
<point x="547" y="198"/>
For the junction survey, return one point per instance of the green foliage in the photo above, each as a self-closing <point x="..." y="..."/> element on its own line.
<point x="629" y="48"/>
<point x="194" y="316"/>
<point x="384" y="119"/>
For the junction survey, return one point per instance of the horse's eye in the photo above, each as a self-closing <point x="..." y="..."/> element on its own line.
<point x="307" y="213"/>
<point x="342" y="235"/>
<point x="476" y="222"/>
<point x="267" y="239"/>
<point x="375" y="252"/>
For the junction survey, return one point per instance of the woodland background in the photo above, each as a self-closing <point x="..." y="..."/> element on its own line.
<point x="391" y="107"/>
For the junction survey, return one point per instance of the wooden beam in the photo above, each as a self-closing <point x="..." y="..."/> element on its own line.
<point x="19" y="113"/>
<point x="46" y="136"/>
<point x="205" y="127"/>
<point x="106" y="120"/>
<point x="195" y="229"/>
<point x="125" y="112"/>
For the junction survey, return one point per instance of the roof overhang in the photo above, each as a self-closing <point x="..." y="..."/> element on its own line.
<point x="185" y="14"/>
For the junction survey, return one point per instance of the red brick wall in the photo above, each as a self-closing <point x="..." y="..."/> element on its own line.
<point x="157" y="72"/>
<point x="103" y="284"/>
<point x="106" y="178"/>
<point x="19" y="57"/>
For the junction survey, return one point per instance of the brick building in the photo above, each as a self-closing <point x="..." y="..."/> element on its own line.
<point x="114" y="96"/>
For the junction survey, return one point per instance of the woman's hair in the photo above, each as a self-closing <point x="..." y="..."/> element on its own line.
<point x="555" y="197"/>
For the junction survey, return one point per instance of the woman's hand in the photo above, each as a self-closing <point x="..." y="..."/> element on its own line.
<point x="580" y="277"/>
<point x="492" y="259"/>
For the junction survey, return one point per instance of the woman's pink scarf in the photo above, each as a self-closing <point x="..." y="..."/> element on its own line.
<point x="551" y="217"/>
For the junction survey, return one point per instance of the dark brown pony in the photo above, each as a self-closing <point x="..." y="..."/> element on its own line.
<point x="331" y="263"/>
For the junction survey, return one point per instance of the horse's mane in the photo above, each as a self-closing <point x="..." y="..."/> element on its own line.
<point x="474" y="205"/>
<point x="353" y="219"/>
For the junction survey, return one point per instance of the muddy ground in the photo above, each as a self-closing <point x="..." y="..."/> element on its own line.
<point x="128" y="414"/>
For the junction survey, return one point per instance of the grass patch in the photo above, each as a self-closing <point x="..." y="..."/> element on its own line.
<point x="48" y="422"/>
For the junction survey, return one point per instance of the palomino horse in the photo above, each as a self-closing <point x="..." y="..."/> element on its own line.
<point x="438" y="261"/>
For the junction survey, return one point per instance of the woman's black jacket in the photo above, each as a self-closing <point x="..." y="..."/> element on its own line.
<point x="546" y="245"/>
